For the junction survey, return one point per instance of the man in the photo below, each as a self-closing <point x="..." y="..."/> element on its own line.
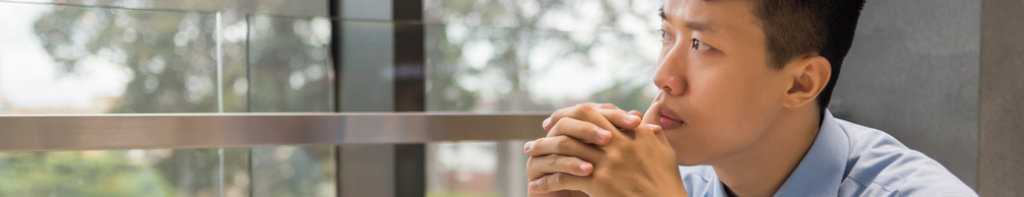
<point x="741" y="112"/>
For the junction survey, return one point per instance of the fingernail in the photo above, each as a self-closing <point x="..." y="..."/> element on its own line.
<point x="602" y="135"/>
<point x="631" y="118"/>
<point x="546" y="121"/>
<point x="534" y="184"/>
<point x="584" y="167"/>
<point x="528" y="146"/>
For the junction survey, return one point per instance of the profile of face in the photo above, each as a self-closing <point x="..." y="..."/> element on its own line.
<point x="720" y="95"/>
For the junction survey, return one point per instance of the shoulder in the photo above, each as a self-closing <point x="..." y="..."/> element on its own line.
<point x="880" y="164"/>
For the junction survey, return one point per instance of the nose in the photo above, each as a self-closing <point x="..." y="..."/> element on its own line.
<point x="669" y="77"/>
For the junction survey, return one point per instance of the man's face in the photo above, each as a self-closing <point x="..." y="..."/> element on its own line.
<point x="721" y="96"/>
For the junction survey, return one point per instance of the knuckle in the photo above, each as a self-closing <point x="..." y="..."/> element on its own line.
<point x="608" y="106"/>
<point x="584" y="109"/>
<point x="557" y="179"/>
<point x="598" y="176"/>
<point x="560" y="111"/>
<point x="553" y="160"/>
<point x="563" y="143"/>
<point x="613" y="156"/>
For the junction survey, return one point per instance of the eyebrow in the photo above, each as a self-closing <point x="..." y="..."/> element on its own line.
<point x="702" y="26"/>
<point x="661" y="12"/>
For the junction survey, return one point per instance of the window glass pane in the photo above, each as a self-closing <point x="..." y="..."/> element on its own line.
<point x="165" y="172"/>
<point x="289" y="64"/>
<point x="294" y="171"/>
<point x="233" y="14"/>
<point x="290" y="70"/>
<point x="68" y="59"/>
<point x="503" y="69"/>
<point x="65" y="59"/>
<point x="461" y="169"/>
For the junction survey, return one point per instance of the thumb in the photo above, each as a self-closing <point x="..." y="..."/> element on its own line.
<point x="653" y="115"/>
<point x="653" y="120"/>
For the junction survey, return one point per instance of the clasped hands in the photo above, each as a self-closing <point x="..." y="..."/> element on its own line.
<point x="600" y="150"/>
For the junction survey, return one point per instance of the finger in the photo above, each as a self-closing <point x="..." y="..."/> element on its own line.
<point x="586" y="132"/>
<point x="660" y="134"/>
<point x="653" y="120"/>
<point x="649" y="129"/>
<point x="612" y="114"/>
<point x="636" y="113"/>
<point x="537" y="167"/>
<point x="563" y="145"/>
<point x="653" y="115"/>
<point x="558" y="181"/>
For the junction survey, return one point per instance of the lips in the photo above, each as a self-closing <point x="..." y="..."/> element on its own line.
<point x="669" y="119"/>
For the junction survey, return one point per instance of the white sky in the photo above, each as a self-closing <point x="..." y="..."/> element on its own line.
<point x="28" y="76"/>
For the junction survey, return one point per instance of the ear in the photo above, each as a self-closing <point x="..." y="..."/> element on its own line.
<point x="809" y="75"/>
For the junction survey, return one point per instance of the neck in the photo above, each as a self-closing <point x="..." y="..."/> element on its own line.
<point x="761" y="169"/>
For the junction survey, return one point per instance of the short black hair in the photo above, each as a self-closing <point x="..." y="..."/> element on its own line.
<point x="797" y="27"/>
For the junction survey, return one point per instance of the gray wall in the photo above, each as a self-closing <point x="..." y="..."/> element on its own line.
<point x="913" y="72"/>
<point x="1002" y="98"/>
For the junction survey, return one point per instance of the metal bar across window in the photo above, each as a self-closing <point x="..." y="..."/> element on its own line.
<point x="152" y="131"/>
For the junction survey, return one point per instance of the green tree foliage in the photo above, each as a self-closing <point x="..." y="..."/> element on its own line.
<point x="519" y="30"/>
<point x="171" y="55"/>
<point x="171" y="58"/>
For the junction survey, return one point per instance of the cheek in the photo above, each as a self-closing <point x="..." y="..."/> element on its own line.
<point x="728" y="111"/>
<point x="733" y="99"/>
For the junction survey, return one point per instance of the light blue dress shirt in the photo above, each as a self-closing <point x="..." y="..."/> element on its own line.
<point x="848" y="159"/>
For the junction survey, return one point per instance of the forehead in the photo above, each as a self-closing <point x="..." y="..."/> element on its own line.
<point x="726" y="15"/>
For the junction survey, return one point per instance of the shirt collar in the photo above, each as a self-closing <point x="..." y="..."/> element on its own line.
<point x="820" y="173"/>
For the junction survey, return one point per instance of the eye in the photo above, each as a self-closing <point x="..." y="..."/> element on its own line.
<point x="700" y="46"/>
<point x="664" y="36"/>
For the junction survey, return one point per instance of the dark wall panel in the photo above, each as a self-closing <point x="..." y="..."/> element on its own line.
<point x="1002" y="99"/>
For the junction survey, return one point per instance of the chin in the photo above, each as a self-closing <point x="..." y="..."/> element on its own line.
<point x="689" y="160"/>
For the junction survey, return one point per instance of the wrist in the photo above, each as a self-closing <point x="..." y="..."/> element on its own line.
<point x="672" y="186"/>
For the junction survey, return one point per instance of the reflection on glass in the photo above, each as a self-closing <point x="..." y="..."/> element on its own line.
<point x="461" y="169"/>
<point x="552" y="55"/>
<point x="290" y="71"/>
<point x="294" y="171"/>
<point x="503" y="69"/>
<point x="289" y="64"/>
<point x="179" y="172"/>
<point x="62" y="59"/>
<point x="66" y="59"/>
